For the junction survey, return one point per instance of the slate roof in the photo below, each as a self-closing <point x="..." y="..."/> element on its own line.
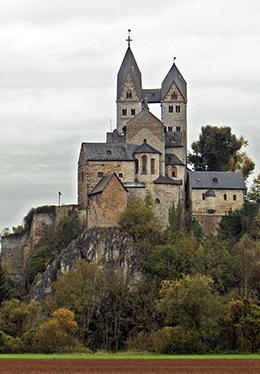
<point x="167" y="180"/>
<point x="129" y="66"/>
<point x="174" y="139"/>
<point x="174" y="76"/>
<point x="151" y="95"/>
<point x="225" y="180"/>
<point x="109" y="151"/>
<point x="171" y="159"/>
<point x="102" y="184"/>
<point x="146" y="148"/>
<point x="134" y="184"/>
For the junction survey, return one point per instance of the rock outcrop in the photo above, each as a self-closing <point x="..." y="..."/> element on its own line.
<point x="107" y="246"/>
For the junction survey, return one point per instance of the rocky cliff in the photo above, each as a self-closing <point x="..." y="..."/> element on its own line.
<point x="110" y="246"/>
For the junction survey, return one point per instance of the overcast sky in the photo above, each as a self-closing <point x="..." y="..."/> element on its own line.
<point x="59" y="62"/>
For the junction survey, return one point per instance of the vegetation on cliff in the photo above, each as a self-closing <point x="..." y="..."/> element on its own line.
<point x="196" y="294"/>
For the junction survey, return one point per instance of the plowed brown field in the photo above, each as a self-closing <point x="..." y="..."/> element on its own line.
<point x="133" y="366"/>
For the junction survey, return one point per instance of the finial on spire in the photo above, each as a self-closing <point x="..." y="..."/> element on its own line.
<point x="129" y="38"/>
<point x="174" y="58"/>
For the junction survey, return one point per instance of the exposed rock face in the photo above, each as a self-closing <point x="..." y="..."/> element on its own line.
<point x="109" y="246"/>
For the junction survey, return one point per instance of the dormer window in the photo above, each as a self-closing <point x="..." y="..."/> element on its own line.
<point x="108" y="152"/>
<point x="174" y="96"/>
<point x="129" y="95"/>
<point x="215" y="180"/>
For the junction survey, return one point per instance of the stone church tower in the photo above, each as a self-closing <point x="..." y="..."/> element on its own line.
<point x="172" y="96"/>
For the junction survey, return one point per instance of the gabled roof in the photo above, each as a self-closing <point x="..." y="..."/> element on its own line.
<point x="129" y="66"/>
<point x="167" y="180"/>
<point x="174" y="76"/>
<point x="145" y="117"/>
<point x="103" y="183"/>
<point x="171" y="159"/>
<point x="109" y="151"/>
<point x="174" y="139"/>
<point x="224" y="180"/>
<point x="146" y="148"/>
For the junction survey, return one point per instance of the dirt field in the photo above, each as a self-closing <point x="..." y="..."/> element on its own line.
<point x="133" y="366"/>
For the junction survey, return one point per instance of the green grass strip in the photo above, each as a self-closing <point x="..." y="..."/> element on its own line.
<point x="126" y="356"/>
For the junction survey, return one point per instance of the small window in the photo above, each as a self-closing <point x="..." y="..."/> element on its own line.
<point x="203" y="196"/>
<point x="144" y="140"/>
<point x="215" y="180"/>
<point x="152" y="166"/>
<point x="178" y="128"/>
<point x="82" y="176"/>
<point x="211" y="211"/>
<point x="120" y="175"/>
<point x="174" y="171"/>
<point x="169" y="128"/>
<point x="144" y="164"/>
<point x="108" y="152"/>
<point x="132" y="112"/>
<point x="129" y="95"/>
<point x="234" y="197"/>
<point x="136" y="167"/>
<point x="157" y="201"/>
<point x="124" y="112"/>
<point x="174" y="96"/>
<point x="178" y="108"/>
<point x="100" y="174"/>
<point x="225" y="196"/>
<point x="171" y="109"/>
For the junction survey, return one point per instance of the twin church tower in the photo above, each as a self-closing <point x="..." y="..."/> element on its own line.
<point x="145" y="153"/>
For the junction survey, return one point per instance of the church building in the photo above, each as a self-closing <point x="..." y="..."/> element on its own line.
<point x="146" y="153"/>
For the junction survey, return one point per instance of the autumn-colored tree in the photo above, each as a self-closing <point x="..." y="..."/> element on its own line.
<point x="80" y="290"/>
<point x="56" y="334"/>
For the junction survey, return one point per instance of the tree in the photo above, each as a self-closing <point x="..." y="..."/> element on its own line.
<point x="254" y="191"/>
<point x="219" y="149"/>
<point x="241" y="161"/>
<point x="175" y="219"/>
<point x="193" y="304"/>
<point x="80" y="291"/>
<point x="56" y="333"/>
<point x="138" y="219"/>
<point x="247" y="265"/>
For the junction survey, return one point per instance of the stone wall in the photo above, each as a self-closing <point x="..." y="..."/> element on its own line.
<point x="106" y="207"/>
<point x="17" y="249"/>
<point x="210" y="210"/>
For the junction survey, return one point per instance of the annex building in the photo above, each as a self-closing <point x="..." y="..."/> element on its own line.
<point x="146" y="153"/>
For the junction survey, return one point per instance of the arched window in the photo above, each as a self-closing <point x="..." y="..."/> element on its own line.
<point x="129" y="95"/>
<point x="144" y="164"/>
<point x="152" y="166"/>
<point x="136" y="167"/>
<point x="234" y="197"/>
<point x="157" y="201"/>
<point x="174" y="171"/>
<point x="225" y="196"/>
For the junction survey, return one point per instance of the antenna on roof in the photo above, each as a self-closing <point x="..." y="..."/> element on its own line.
<point x="129" y="38"/>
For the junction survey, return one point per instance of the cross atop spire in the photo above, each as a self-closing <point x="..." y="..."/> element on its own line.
<point x="129" y="38"/>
